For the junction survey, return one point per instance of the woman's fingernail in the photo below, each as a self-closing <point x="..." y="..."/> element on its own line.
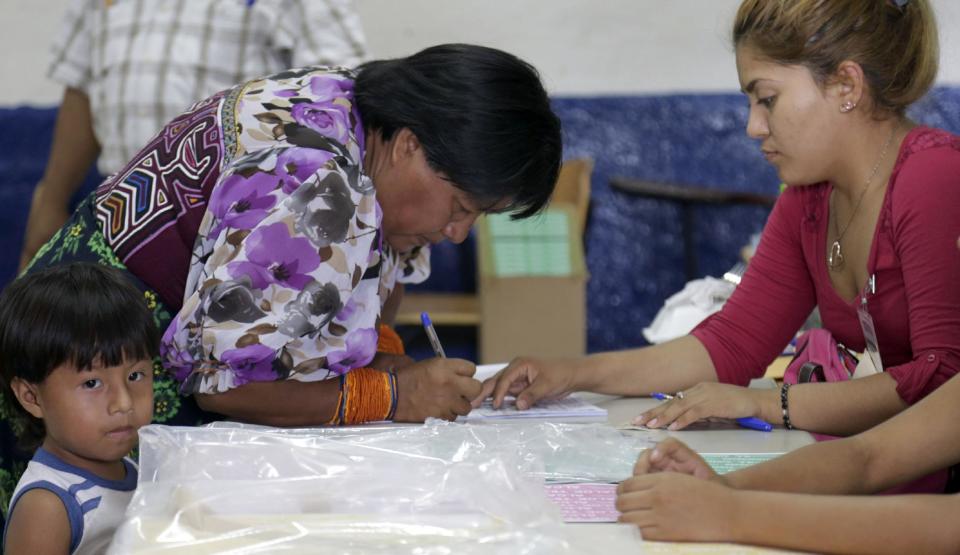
<point x="655" y="455"/>
<point x="673" y="426"/>
<point x="652" y="423"/>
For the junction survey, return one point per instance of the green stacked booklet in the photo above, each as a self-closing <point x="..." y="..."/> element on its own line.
<point x="537" y="246"/>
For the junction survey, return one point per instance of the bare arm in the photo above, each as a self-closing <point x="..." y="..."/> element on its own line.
<point x="38" y="525"/>
<point x="669" y="366"/>
<point x="884" y="524"/>
<point x="673" y="506"/>
<point x="437" y="388"/>
<point x="838" y="408"/>
<point x="73" y="150"/>
<point x="922" y="439"/>
<point x="284" y="403"/>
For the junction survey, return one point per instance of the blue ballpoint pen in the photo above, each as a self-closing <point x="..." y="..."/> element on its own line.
<point x="746" y="422"/>
<point x="432" y="335"/>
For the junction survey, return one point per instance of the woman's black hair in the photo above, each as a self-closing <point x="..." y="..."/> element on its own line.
<point x="79" y="313"/>
<point x="481" y="115"/>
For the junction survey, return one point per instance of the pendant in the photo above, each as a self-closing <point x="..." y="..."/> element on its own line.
<point x="835" y="257"/>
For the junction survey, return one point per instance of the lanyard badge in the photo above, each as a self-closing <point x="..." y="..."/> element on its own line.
<point x="866" y="324"/>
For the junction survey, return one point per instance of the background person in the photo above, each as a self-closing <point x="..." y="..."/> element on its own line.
<point x="128" y="67"/>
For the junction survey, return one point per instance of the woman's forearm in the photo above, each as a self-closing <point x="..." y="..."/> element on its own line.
<point x="830" y="467"/>
<point x="284" y="403"/>
<point x="830" y="524"/>
<point x="837" y="408"/>
<point x="669" y="367"/>
<point x="74" y="146"/>
<point x="922" y="439"/>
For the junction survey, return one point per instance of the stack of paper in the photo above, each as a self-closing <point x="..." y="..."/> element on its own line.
<point x="585" y="502"/>
<point x="571" y="408"/>
<point x="561" y="409"/>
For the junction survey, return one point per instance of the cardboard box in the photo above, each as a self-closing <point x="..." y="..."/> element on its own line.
<point x="531" y="287"/>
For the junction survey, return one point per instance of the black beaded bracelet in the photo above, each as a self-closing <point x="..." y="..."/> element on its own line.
<point x="784" y="407"/>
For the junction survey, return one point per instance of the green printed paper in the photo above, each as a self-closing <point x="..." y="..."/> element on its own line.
<point x="537" y="246"/>
<point x="728" y="462"/>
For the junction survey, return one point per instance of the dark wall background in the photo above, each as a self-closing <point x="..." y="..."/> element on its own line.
<point x="634" y="246"/>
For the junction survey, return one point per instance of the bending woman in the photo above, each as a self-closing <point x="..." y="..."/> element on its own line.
<point x="269" y="225"/>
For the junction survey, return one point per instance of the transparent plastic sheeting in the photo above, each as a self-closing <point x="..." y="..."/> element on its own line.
<point x="440" y="488"/>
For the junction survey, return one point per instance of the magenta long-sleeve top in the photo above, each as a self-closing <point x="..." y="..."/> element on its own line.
<point x="914" y="257"/>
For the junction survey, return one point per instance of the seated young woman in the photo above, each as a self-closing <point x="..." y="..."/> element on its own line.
<point x="866" y="221"/>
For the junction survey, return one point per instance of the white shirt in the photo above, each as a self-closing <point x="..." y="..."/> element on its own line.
<point x="94" y="505"/>
<point x="143" y="62"/>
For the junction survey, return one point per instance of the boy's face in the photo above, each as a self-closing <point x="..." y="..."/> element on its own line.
<point x="92" y="417"/>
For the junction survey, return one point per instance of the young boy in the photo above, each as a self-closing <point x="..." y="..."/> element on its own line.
<point x="76" y="343"/>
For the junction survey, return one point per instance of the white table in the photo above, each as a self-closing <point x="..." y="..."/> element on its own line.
<point x="705" y="438"/>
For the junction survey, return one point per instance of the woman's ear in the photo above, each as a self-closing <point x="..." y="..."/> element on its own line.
<point x="28" y="396"/>
<point x="405" y="144"/>
<point x="848" y="85"/>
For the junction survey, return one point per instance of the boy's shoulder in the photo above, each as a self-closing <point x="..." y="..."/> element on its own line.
<point x="66" y="495"/>
<point x="46" y="466"/>
<point x="37" y="507"/>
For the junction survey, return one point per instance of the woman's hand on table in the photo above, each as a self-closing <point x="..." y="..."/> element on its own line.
<point x="671" y="506"/>
<point x="672" y="455"/>
<point x="709" y="400"/>
<point x="529" y="380"/>
<point x="435" y="388"/>
<point x="675" y="494"/>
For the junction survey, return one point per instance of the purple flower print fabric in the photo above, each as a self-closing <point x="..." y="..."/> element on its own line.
<point x="288" y="274"/>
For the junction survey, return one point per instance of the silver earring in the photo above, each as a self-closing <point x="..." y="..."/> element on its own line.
<point x="847" y="106"/>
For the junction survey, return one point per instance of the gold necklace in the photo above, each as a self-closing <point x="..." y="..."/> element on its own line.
<point x="835" y="254"/>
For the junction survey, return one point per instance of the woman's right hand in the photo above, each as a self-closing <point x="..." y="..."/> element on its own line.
<point x="672" y="455"/>
<point x="675" y="495"/>
<point x="530" y="380"/>
<point x="677" y="507"/>
<point x="435" y="388"/>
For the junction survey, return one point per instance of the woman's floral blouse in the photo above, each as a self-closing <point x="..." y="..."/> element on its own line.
<point x="288" y="271"/>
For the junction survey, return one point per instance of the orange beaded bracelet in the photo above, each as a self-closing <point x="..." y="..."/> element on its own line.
<point x="368" y="394"/>
<point x="388" y="341"/>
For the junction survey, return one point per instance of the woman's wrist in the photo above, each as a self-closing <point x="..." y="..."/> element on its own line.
<point x="768" y="402"/>
<point x="585" y="372"/>
<point x="742" y="520"/>
<point x="366" y="395"/>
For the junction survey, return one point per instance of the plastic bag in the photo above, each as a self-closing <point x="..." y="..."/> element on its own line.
<point x="552" y="452"/>
<point x="684" y="310"/>
<point x="433" y="489"/>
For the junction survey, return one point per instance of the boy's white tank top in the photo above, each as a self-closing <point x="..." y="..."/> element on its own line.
<point x="94" y="505"/>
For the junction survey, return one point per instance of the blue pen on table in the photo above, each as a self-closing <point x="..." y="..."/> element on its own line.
<point x="432" y="335"/>
<point x="746" y="422"/>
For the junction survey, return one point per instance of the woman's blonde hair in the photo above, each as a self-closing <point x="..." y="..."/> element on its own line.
<point x="894" y="41"/>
